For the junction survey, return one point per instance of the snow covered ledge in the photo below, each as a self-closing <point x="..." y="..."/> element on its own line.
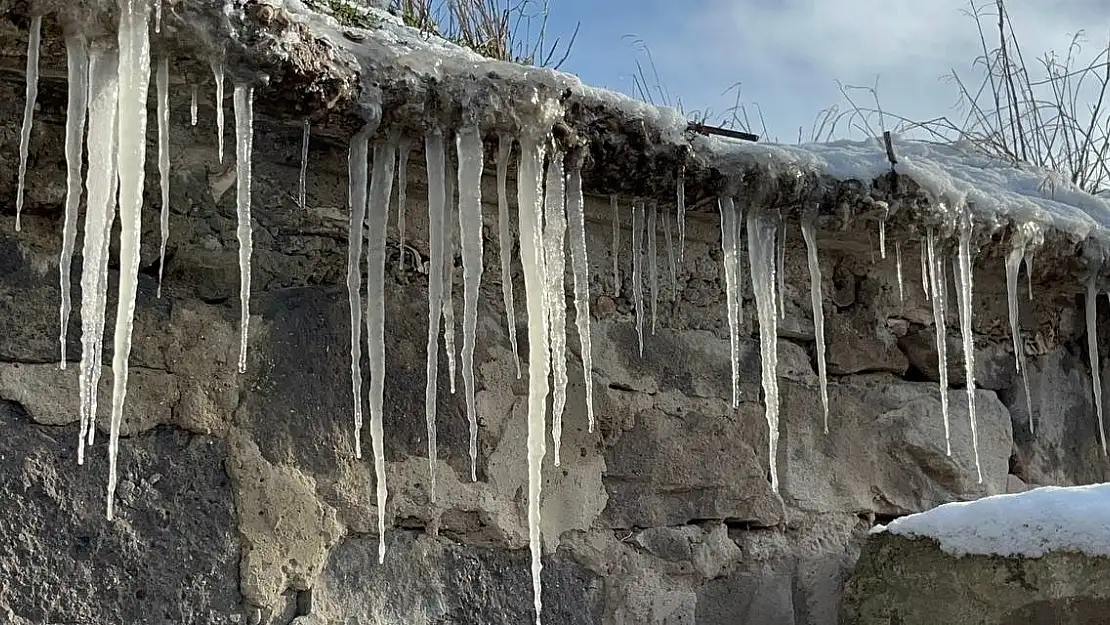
<point x="1042" y="556"/>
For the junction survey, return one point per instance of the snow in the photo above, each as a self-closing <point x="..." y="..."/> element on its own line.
<point x="77" y="69"/>
<point x="469" y="145"/>
<point x="244" y="147"/>
<point x="554" y="248"/>
<point x="580" y="267"/>
<point x="162" y="81"/>
<point x="504" y="237"/>
<point x="356" y="190"/>
<point x="1029" y="524"/>
<point x="435" y="157"/>
<point x="33" y="39"/>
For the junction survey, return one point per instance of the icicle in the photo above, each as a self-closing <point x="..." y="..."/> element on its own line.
<point x="244" y="137"/>
<point x="434" y="154"/>
<point x="33" y="37"/>
<point x="157" y="16"/>
<point x="809" y="233"/>
<point x="1092" y="352"/>
<point x="404" y="151"/>
<point x="218" y="76"/>
<point x="670" y="254"/>
<point x="1029" y="271"/>
<point x="554" y="233"/>
<point x="1013" y="265"/>
<point x="193" y="105"/>
<point x="580" y="268"/>
<point x="780" y="268"/>
<point x="924" y="271"/>
<point x="356" y="199"/>
<point x="882" y="237"/>
<point x="449" y="249"/>
<point x="898" y="268"/>
<point x="162" y="79"/>
<point x="681" y="201"/>
<point x="134" y="79"/>
<point x="963" y="302"/>
<point x="100" y="189"/>
<point x="730" y="250"/>
<point x="637" y="269"/>
<point x="938" y="288"/>
<point x="306" y="135"/>
<point x="468" y="142"/>
<point x="377" y="216"/>
<point x="653" y="262"/>
<point x="504" y="236"/>
<point x="529" y="210"/>
<point x="761" y="250"/>
<point x="616" y="245"/>
<point x="77" y="67"/>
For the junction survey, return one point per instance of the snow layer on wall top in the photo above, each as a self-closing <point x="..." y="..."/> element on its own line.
<point x="1029" y="524"/>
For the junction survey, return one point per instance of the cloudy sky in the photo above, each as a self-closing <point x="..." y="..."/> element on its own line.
<point x="788" y="54"/>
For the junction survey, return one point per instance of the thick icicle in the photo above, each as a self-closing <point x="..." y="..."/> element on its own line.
<point x="158" y="16"/>
<point x="809" y="233"/>
<point x="100" y="189"/>
<point x="637" y="269"/>
<point x="162" y="79"/>
<point x="468" y="142"/>
<point x="529" y="211"/>
<point x="306" y="135"/>
<point x="1092" y="352"/>
<point x="134" y="80"/>
<point x="193" y="105"/>
<point x="504" y="237"/>
<point x="761" y="252"/>
<point x="653" y="261"/>
<point x="554" y="246"/>
<point x="434" y="154"/>
<point x="1029" y="271"/>
<point x="244" y="146"/>
<point x="377" y="217"/>
<point x="449" y="249"/>
<point x="616" y="245"/>
<point x="938" y="288"/>
<point x="404" y="151"/>
<point x="32" y="75"/>
<point x="681" y="201"/>
<point x="780" y="268"/>
<point x="77" y="65"/>
<point x="963" y="302"/>
<point x="730" y="249"/>
<point x="580" y="267"/>
<point x="356" y="200"/>
<point x="218" y="76"/>
<point x="1013" y="266"/>
<point x="898" y="268"/>
<point x="669" y="240"/>
<point x="924" y="271"/>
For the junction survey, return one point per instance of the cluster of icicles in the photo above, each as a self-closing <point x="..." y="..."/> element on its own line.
<point x="108" y="88"/>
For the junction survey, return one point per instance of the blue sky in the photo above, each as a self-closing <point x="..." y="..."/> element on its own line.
<point x="788" y="54"/>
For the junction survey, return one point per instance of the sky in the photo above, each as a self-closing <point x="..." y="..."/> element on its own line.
<point x="787" y="55"/>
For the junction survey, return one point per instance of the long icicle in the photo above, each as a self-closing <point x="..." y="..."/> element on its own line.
<point x="616" y="245"/>
<point x="434" y="154"/>
<point x="554" y="233"/>
<point x="780" y="268"/>
<point x="669" y="240"/>
<point x="449" y="248"/>
<point x="730" y="250"/>
<point x="244" y="147"/>
<point x="938" y="288"/>
<point x="306" y="136"/>
<point x="468" y="142"/>
<point x="925" y="271"/>
<point x="34" y="36"/>
<point x="377" y="216"/>
<point x="504" y="237"/>
<point x="680" y="191"/>
<point x="100" y="189"/>
<point x="77" y="69"/>
<point x="576" y="214"/>
<point x="1013" y="266"/>
<point x="809" y="233"/>
<point x="964" y="301"/>
<point x="218" y="76"/>
<point x="1092" y="352"/>
<point x="637" y="269"/>
<point x="162" y="79"/>
<point x="134" y="80"/>
<point x="404" y="152"/>
<point x="529" y="217"/>
<point x="356" y="200"/>
<point x="898" y="268"/>
<point x="761" y="250"/>
<point x="653" y="261"/>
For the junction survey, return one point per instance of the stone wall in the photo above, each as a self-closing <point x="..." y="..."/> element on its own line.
<point x="241" y="500"/>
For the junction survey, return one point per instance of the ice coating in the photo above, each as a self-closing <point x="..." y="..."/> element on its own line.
<point x="554" y="248"/>
<point x="653" y="261"/>
<point x="616" y="245"/>
<point x="637" y="269"/>
<point x="576" y="217"/>
<point x="761" y="251"/>
<point x="937" y="287"/>
<point x="435" y="156"/>
<point x="468" y="142"/>
<point x="77" y="74"/>
<point x="306" y="135"/>
<point x="809" y="233"/>
<point x="33" y="39"/>
<point x="134" y="79"/>
<point x="218" y="77"/>
<point x="1092" y="352"/>
<point x="404" y="152"/>
<point x="244" y="147"/>
<point x="357" y="156"/>
<point x="504" y="237"/>
<point x="1013" y="265"/>
<point x="730" y="250"/>
<point x="162" y="80"/>
<point x="377" y="217"/>
<point x="964" y="275"/>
